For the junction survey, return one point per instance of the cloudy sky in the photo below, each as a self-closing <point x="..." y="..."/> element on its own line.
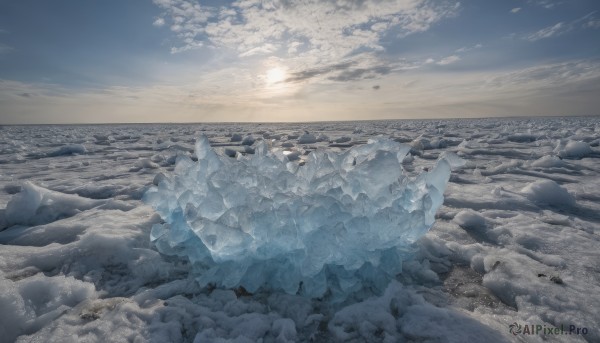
<point x="73" y="61"/>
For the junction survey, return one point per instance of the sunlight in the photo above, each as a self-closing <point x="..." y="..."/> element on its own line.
<point x="275" y="82"/>
<point x="275" y="75"/>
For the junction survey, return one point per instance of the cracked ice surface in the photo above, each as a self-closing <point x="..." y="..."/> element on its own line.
<point x="339" y="224"/>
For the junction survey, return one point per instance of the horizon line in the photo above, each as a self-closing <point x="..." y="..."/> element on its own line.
<point x="311" y="122"/>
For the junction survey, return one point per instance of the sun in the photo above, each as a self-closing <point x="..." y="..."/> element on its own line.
<point x="275" y="80"/>
<point x="275" y="75"/>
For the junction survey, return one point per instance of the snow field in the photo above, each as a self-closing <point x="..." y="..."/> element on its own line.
<point x="516" y="239"/>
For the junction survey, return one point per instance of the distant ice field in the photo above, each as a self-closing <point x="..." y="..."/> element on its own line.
<point x="515" y="245"/>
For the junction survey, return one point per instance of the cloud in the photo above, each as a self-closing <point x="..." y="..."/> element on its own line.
<point x="52" y="103"/>
<point x="556" y="74"/>
<point x="361" y="73"/>
<point x="316" y="41"/>
<point x="593" y="24"/>
<point x="552" y="89"/>
<point x="187" y="20"/>
<point x="265" y="49"/>
<point x="448" y="60"/>
<point x="159" y="22"/>
<point x="364" y="67"/>
<point x="328" y="27"/>
<point x="587" y="21"/>
<point x="17" y="90"/>
<point x="455" y="57"/>
<point x="547" y="4"/>
<point x="189" y="46"/>
<point x="293" y="47"/>
<point x="547" y="32"/>
<point x="469" y="48"/>
<point x="515" y="10"/>
<point x="313" y="72"/>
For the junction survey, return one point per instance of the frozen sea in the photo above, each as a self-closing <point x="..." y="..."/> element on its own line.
<point x="513" y="256"/>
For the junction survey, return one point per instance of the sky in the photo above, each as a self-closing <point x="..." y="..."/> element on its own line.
<point x="114" y="61"/>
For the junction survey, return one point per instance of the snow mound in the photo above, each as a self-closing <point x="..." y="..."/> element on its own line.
<point x="343" y="139"/>
<point x="68" y="150"/>
<point x="470" y="219"/>
<point x="36" y="205"/>
<point x="574" y="150"/>
<point x="548" y="161"/>
<point x="31" y="303"/>
<point x="340" y="223"/>
<point x="548" y="192"/>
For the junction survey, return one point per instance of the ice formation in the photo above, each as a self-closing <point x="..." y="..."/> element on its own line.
<point x="338" y="224"/>
<point x="35" y="205"/>
<point x="68" y="150"/>
<point x="548" y="192"/>
<point x="573" y="149"/>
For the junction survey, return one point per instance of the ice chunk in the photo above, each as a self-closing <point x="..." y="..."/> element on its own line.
<point x="31" y="303"/>
<point x="470" y="220"/>
<point x="322" y="138"/>
<point x="68" y="150"/>
<point x="454" y="160"/>
<point x="307" y="138"/>
<point x="548" y="192"/>
<point x="36" y="205"/>
<point x="236" y="137"/>
<point x="548" y="161"/>
<point x="340" y="223"/>
<point x="292" y="155"/>
<point x="343" y="139"/>
<point x="248" y="140"/>
<point x="574" y="150"/>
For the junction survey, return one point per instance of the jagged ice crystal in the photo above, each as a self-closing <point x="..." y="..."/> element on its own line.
<point x="340" y="223"/>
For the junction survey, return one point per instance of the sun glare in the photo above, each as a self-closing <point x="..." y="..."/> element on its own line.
<point x="275" y="84"/>
<point x="275" y="75"/>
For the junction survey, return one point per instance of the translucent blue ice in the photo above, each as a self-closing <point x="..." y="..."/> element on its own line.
<point x="338" y="224"/>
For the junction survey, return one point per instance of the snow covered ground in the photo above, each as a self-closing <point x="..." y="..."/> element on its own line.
<point x="515" y="244"/>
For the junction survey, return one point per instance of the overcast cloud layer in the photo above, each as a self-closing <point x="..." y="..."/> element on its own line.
<point x="186" y="60"/>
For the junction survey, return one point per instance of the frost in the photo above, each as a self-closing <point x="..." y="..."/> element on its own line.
<point x="341" y="222"/>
